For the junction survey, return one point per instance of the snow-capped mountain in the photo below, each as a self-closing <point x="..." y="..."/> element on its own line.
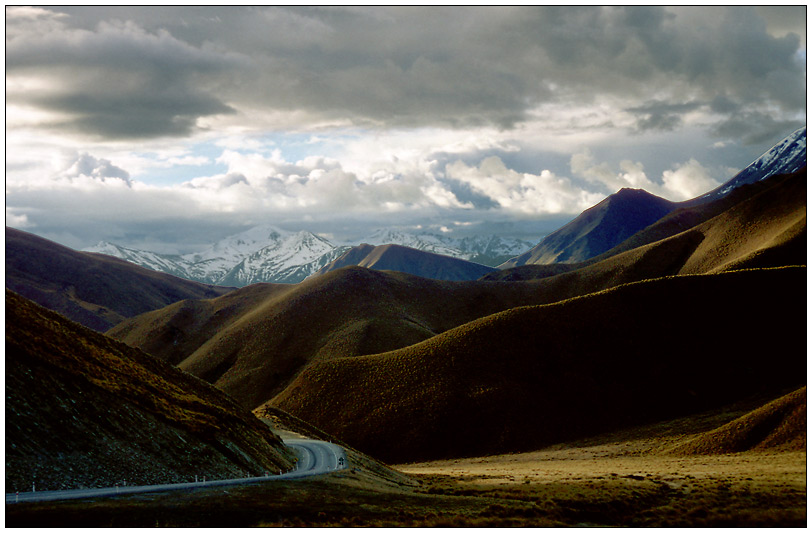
<point x="488" y="250"/>
<point x="268" y="254"/>
<point x="260" y="254"/>
<point x="171" y="264"/>
<point x="786" y="157"/>
<point x="287" y="260"/>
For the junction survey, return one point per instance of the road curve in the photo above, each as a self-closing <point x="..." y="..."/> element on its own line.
<point x="315" y="458"/>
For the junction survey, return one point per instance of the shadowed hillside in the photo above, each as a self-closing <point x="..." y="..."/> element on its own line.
<point x="95" y="290"/>
<point x="253" y="341"/>
<point x="409" y="261"/>
<point x="532" y="376"/>
<point x="83" y="410"/>
<point x="778" y="426"/>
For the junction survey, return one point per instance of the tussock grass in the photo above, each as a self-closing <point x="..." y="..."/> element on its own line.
<point x="535" y="375"/>
<point x="83" y="409"/>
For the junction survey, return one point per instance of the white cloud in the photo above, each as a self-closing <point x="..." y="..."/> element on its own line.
<point x="522" y="193"/>
<point x="688" y="180"/>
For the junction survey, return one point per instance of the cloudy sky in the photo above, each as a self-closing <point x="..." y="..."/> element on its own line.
<point x="168" y="128"/>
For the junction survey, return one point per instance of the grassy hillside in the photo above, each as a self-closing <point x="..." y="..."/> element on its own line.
<point x="85" y="410"/>
<point x="95" y="290"/>
<point x="779" y="425"/>
<point x="253" y="342"/>
<point x="759" y="225"/>
<point x="537" y="375"/>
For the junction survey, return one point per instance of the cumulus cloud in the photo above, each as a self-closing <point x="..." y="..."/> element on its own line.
<point x="522" y="193"/>
<point x="88" y="166"/>
<point x="684" y="181"/>
<point x="688" y="180"/>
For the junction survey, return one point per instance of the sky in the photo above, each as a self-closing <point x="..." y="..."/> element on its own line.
<point x="167" y="128"/>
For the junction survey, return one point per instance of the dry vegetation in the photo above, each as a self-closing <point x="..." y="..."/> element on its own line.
<point x="85" y="410"/>
<point x="531" y="376"/>
<point x="626" y="478"/>
<point x="249" y="343"/>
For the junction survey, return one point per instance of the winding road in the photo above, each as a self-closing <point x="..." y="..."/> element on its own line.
<point x="315" y="458"/>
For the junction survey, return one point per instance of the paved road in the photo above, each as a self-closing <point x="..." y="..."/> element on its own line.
<point x="315" y="457"/>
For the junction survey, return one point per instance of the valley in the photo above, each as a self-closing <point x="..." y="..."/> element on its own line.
<point x="644" y="366"/>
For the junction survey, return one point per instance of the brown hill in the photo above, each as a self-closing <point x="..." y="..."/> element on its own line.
<point x="532" y="376"/>
<point x="250" y="342"/>
<point x="254" y="341"/>
<point x="95" y="290"/>
<point x="778" y="425"/>
<point x="409" y="260"/>
<point x="83" y="410"/>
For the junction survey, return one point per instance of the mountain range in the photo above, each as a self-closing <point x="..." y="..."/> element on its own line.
<point x="267" y="254"/>
<point x="248" y="342"/>
<point x="618" y="217"/>
<point x="702" y="304"/>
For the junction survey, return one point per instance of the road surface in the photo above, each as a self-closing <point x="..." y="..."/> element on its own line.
<point x="315" y="457"/>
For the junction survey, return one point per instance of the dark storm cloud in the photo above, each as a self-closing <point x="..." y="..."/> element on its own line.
<point x="117" y="81"/>
<point x="402" y="66"/>
<point x="660" y="115"/>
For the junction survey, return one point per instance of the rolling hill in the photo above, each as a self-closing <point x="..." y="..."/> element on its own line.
<point x="253" y="341"/>
<point x="83" y="410"/>
<point x="250" y="342"/>
<point x="95" y="290"/>
<point x="780" y="425"/>
<point x="410" y="261"/>
<point x="537" y="375"/>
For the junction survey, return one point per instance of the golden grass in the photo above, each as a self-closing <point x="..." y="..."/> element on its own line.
<point x="535" y="375"/>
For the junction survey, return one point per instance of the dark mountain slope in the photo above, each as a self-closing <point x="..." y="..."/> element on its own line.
<point x="83" y="410"/>
<point x="533" y="376"/>
<point x="597" y="229"/>
<point x="410" y="261"/>
<point x="95" y="290"/>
